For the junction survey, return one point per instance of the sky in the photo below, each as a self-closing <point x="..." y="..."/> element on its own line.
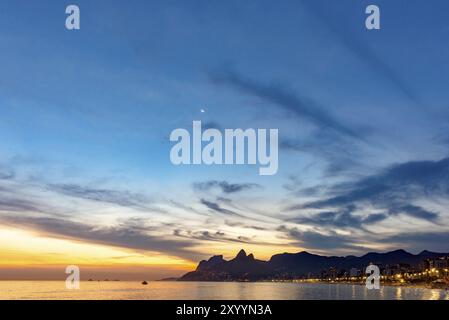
<point x="86" y="115"/>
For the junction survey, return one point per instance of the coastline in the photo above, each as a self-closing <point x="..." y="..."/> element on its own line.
<point x="417" y="285"/>
<point x="402" y="283"/>
<point x="211" y="290"/>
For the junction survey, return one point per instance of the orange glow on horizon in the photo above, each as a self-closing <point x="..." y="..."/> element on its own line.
<point x="28" y="253"/>
<point x="24" y="248"/>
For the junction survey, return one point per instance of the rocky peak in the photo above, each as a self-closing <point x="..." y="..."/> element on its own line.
<point x="206" y="264"/>
<point x="241" y="254"/>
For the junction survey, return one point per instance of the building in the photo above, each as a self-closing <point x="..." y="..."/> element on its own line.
<point x="441" y="263"/>
<point x="354" y="272"/>
<point x="436" y="263"/>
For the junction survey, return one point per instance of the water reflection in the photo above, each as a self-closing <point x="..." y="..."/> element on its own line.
<point x="211" y="290"/>
<point x="381" y="293"/>
<point x="436" y="295"/>
<point x="398" y="293"/>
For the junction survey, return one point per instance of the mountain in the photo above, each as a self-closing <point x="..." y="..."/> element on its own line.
<point x="289" y="265"/>
<point x="241" y="267"/>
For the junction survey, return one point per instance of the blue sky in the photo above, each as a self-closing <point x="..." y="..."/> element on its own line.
<point x="363" y="122"/>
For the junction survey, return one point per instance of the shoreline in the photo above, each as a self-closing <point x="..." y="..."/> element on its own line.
<point x="420" y="285"/>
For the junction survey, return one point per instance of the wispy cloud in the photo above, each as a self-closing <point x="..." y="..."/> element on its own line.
<point x="217" y="208"/>
<point x="224" y="186"/>
<point x="437" y="241"/>
<point x="121" y="198"/>
<point x="361" y="50"/>
<point x="330" y="242"/>
<point x="334" y="141"/>
<point x="397" y="183"/>
<point x="414" y="211"/>
<point x="6" y="173"/>
<point x="343" y="218"/>
<point x="126" y="235"/>
<point x="339" y="152"/>
<point x="18" y="205"/>
<point x="392" y="191"/>
<point x="28" y="207"/>
<point x="243" y="225"/>
<point x="217" y="236"/>
<point x="299" y="105"/>
<point x="14" y="198"/>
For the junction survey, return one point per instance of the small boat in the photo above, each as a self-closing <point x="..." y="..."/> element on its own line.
<point x="144" y="283"/>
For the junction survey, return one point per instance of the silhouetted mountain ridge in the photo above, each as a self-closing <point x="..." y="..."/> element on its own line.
<point x="289" y="265"/>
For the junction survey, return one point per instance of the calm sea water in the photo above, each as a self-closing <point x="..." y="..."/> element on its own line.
<point x="208" y="290"/>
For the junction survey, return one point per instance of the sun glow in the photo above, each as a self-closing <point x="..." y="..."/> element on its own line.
<point x="23" y="248"/>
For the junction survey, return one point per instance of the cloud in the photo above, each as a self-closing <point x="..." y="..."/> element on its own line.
<point x="330" y="242"/>
<point x="6" y="174"/>
<point x="19" y="205"/>
<point x="300" y="106"/>
<point x="121" y="198"/>
<point x="359" y="49"/>
<point x="393" y="189"/>
<point x="13" y="199"/>
<point x="418" y="241"/>
<point x="225" y="186"/>
<point x="130" y="234"/>
<point x="29" y="207"/>
<point x="216" y="207"/>
<point x="185" y="207"/>
<point x="414" y="211"/>
<point x="339" y="152"/>
<point x="342" y="218"/>
<point x="217" y="236"/>
<point x="211" y="125"/>
<point x="442" y="138"/>
<point x="20" y="195"/>
<point x="243" y="225"/>
<point x="335" y="141"/>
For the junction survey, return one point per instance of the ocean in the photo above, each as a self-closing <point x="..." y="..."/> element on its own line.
<point x="158" y="290"/>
